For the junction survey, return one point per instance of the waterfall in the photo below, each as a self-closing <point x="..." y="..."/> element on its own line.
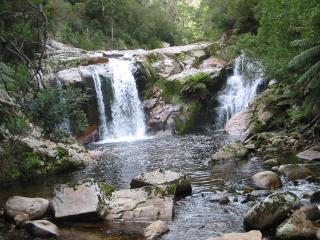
<point x="126" y="119"/>
<point x="239" y="90"/>
<point x="103" y="132"/>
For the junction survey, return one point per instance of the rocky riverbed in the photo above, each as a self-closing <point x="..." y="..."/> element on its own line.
<point x="223" y="192"/>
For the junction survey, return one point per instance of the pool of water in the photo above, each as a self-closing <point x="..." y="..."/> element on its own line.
<point x="195" y="217"/>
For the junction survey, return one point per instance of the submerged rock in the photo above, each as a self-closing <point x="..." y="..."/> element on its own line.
<point x="42" y="228"/>
<point x="295" y="171"/>
<point x="271" y="211"/>
<point x="85" y="201"/>
<point x="270" y="163"/>
<point x="309" y="155"/>
<point x="220" y="198"/>
<point x="301" y="224"/>
<point x="155" y="230"/>
<point x="33" y="207"/>
<point x="315" y="197"/>
<point x="141" y="204"/>
<point x="267" y="180"/>
<point x="252" y="235"/>
<point x="179" y="183"/>
<point x="236" y="150"/>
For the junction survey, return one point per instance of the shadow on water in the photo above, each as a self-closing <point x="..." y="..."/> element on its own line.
<point x="195" y="217"/>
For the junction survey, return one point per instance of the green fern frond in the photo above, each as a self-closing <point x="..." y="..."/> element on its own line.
<point x="305" y="57"/>
<point x="305" y="43"/>
<point x="310" y="74"/>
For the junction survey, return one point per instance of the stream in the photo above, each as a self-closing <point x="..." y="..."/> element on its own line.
<point x="196" y="216"/>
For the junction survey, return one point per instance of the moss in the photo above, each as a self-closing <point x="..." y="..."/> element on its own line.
<point x="107" y="189"/>
<point x="62" y="152"/>
<point x="152" y="58"/>
<point x="172" y="189"/>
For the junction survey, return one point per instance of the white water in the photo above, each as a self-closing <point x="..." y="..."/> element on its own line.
<point x="239" y="91"/>
<point x="127" y="117"/>
<point x="103" y="129"/>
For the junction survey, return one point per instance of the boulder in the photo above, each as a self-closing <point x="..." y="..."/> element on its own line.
<point x="309" y="155"/>
<point x="267" y="180"/>
<point x="141" y="204"/>
<point x="233" y="151"/>
<point x="239" y="123"/>
<point x="300" y="225"/>
<point x="271" y="211"/>
<point x="270" y="163"/>
<point x="295" y="171"/>
<point x="220" y="198"/>
<point x="42" y="228"/>
<point x="84" y="201"/>
<point x="179" y="182"/>
<point x="252" y="235"/>
<point x="20" y="220"/>
<point x="33" y="207"/>
<point x="315" y="197"/>
<point x="155" y="230"/>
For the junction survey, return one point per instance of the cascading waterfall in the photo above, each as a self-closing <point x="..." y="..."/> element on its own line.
<point x="240" y="89"/>
<point x="126" y="119"/>
<point x="103" y="130"/>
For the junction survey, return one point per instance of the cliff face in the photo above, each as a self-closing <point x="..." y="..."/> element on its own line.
<point x="168" y="80"/>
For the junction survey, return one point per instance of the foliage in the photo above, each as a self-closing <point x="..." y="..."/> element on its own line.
<point x="194" y="87"/>
<point x="30" y="163"/>
<point x="53" y="105"/>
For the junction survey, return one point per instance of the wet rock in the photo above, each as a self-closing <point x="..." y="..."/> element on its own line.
<point x="300" y="225"/>
<point x="295" y="171"/>
<point x="1" y="212"/>
<point x="33" y="207"/>
<point x="315" y="197"/>
<point x="236" y="150"/>
<point x="239" y="123"/>
<point x="42" y="228"/>
<point x="267" y="180"/>
<point x="309" y="155"/>
<point x="252" y="235"/>
<point x="20" y="220"/>
<point x="180" y="183"/>
<point x="84" y="201"/>
<point x="155" y="230"/>
<point x="141" y="204"/>
<point x="270" y="163"/>
<point x="271" y="211"/>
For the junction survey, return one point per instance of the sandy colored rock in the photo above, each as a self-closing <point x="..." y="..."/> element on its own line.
<point x="79" y="202"/>
<point x="239" y="123"/>
<point x="295" y="171"/>
<point x="267" y="180"/>
<point x="309" y="155"/>
<point x="155" y="230"/>
<point x="33" y="207"/>
<point x="252" y="235"/>
<point x="42" y="228"/>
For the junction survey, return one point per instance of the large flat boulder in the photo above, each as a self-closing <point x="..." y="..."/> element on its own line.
<point x="180" y="183"/>
<point x="271" y="211"/>
<point x="309" y="154"/>
<point x="233" y="151"/>
<point x="33" y="207"/>
<point x="239" y="123"/>
<point x="252" y="235"/>
<point x="141" y="204"/>
<point x="85" y="201"/>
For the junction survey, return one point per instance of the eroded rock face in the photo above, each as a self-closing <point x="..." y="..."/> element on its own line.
<point x="155" y="230"/>
<point x="295" y="171"/>
<point x="180" y="183"/>
<point x="267" y="180"/>
<point x="141" y="204"/>
<point x="42" y="228"/>
<point x="33" y="207"/>
<point x="239" y="123"/>
<point x="252" y="235"/>
<point x="301" y="225"/>
<point x="271" y="211"/>
<point x="85" y="201"/>
<point x="233" y="151"/>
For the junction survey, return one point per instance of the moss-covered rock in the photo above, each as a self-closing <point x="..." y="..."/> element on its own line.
<point x="233" y="151"/>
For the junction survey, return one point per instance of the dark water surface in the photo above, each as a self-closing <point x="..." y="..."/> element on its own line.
<point x="195" y="217"/>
